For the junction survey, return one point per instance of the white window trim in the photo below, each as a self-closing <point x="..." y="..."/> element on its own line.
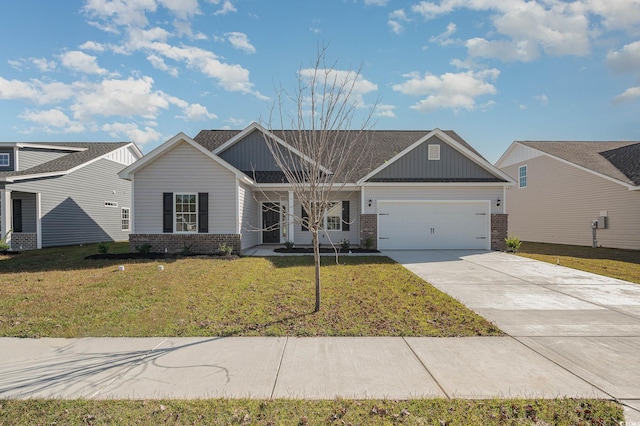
<point x="433" y="151"/>
<point x="175" y="214"/>
<point x="128" y="219"/>
<point x="324" y="219"/>
<point x="526" y="176"/>
<point x="7" y="156"/>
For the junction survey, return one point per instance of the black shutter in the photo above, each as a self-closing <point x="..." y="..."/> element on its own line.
<point x="203" y="212"/>
<point x="17" y="215"/>
<point x="345" y="215"/>
<point x="167" y="212"/>
<point x="305" y="218"/>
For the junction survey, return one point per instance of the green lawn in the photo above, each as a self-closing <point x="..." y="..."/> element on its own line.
<point x="615" y="263"/>
<point x="300" y="412"/>
<point x="57" y="293"/>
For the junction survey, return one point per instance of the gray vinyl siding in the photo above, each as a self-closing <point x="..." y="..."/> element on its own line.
<point x="560" y="201"/>
<point x="29" y="223"/>
<point x="184" y="170"/>
<point x="416" y="165"/>
<point x="31" y="157"/>
<point x="326" y="237"/>
<point x="249" y="222"/>
<point x="12" y="162"/>
<point x="73" y="210"/>
<point x="250" y="153"/>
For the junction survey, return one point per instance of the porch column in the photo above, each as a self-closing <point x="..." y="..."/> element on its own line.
<point x="39" y="220"/>
<point x="291" y="223"/>
<point x="5" y="220"/>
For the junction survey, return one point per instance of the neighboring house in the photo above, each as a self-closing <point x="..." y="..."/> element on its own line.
<point x="55" y="194"/>
<point x="563" y="187"/>
<point x="425" y="189"/>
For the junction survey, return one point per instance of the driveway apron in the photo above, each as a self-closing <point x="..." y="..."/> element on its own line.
<point x="586" y="324"/>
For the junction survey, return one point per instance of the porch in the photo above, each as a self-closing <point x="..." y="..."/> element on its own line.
<point x="21" y="219"/>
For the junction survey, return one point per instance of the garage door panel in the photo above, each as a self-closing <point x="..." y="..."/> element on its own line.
<point x="433" y="225"/>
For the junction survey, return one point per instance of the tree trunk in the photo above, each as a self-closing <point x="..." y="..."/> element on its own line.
<point x="316" y="260"/>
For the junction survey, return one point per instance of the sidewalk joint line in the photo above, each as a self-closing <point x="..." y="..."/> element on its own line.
<point x="425" y="367"/>
<point x="275" y="382"/>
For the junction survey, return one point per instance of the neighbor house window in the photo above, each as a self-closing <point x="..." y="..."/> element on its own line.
<point x="126" y="219"/>
<point x="186" y="212"/>
<point x="433" y="151"/>
<point x="333" y="217"/>
<point x="4" y="159"/>
<point x="522" y="177"/>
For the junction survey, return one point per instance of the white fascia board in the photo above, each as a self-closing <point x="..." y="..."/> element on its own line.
<point x="450" y="141"/>
<point x="35" y="176"/>
<point x="506" y="154"/>
<point x="287" y="187"/>
<point x="417" y="184"/>
<point x="255" y="126"/>
<point x="50" y="147"/>
<point x="135" y="149"/>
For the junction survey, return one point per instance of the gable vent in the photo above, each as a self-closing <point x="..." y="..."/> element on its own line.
<point x="433" y="152"/>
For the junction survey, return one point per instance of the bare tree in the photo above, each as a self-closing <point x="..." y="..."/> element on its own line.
<point x="323" y="151"/>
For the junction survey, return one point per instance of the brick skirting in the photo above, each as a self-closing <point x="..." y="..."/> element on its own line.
<point x="499" y="229"/>
<point x="24" y="241"/>
<point x="369" y="229"/>
<point x="175" y="243"/>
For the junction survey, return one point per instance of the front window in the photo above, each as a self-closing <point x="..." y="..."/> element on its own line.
<point x="126" y="219"/>
<point x="333" y="217"/>
<point x="522" y="177"/>
<point x="186" y="212"/>
<point x="4" y="159"/>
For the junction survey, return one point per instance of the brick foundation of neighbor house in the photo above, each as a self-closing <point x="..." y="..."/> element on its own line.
<point x="499" y="229"/>
<point x="175" y="243"/>
<point x="24" y="241"/>
<point x="369" y="229"/>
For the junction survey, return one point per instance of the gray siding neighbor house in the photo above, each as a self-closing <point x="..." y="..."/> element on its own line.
<point x="423" y="189"/>
<point x="564" y="189"/>
<point x="64" y="193"/>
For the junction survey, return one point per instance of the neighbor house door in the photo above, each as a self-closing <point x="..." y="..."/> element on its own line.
<point x="270" y="222"/>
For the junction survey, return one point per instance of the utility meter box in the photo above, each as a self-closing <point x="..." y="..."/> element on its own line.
<point x="603" y="222"/>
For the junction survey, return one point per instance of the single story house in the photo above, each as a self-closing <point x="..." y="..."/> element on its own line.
<point x="64" y="193"/>
<point x="424" y="189"/>
<point x="578" y="193"/>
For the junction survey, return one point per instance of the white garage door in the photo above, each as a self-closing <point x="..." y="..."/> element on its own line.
<point x="434" y="225"/>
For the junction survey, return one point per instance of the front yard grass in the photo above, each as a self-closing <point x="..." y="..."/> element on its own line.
<point x="57" y="293"/>
<point x="615" y="263"/>
<point x="301" y="412"/>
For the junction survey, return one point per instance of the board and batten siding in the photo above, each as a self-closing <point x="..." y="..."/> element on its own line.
<point x="249" y="220"/>
<point x="31" y="157"/>
<point x="73" y="205"/>
<point x="251" y="153"/>
<point x="416" y="165"/>
<point x="560" y="202"/>
<point x="434" y="193"/>
<point x="12" y="161"/>
<point x="184" y="170"/>
<point x="326" y="237"/>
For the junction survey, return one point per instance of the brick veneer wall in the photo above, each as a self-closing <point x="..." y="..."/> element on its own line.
<point x="499" y="229"/>
<point x="24" y="241"/>
<point x="369" y="229"/>
<point x="174" y="243"/>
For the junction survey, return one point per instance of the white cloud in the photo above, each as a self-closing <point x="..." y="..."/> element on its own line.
<point x="43" y="65"/>
<point x="35" y="90"/>
<point x="524" y="51"/>
<point x="617" y="15"/>
<point x="444" y="39"/>
<point x="79" y="61"/>
<point x="522" y="107"/>
<point x="384" y="110"/>
<point x="121" y="12"/>
<point x="227" y="7"/>
<point x="451" y="90"/>
<point x="183" y="9"/>
<point x="52" y="118"/>
<point x="197" y="112"/>
<point x="236" y="122"/>
<point x="132" y="132"/>
<point x="240" y="41"/>
<point x="158" y="63"/>
<point x="349" y="80"/>
<point x="625" y="60"/>
<point x="396" y="21"/>
<point x="376" y="2"/>
<point x="92" y="45"/>
<point x="544" y="99"/>
<point x="629" y="95"/>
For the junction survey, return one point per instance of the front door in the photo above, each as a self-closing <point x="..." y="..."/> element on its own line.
<point x="270" y="222"/>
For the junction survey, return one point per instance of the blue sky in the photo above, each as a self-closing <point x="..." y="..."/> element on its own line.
<point x="492" y="70"/>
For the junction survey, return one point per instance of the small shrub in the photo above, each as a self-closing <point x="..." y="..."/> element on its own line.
<point x="289" y="245"/>
<point x="144" y="249"/>
<point x="4" y="246"/>
<point x="344" y="244"/>
<point x="186" y="250"/>
<point x="103" y="247"/>
<point x="368" y="243"/>
<point x="225" y="249"/>
<point x="513" y="243"/>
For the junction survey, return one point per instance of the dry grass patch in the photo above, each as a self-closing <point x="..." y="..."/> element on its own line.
<point x="57" y="293"/>
<point x="615" y="263"/>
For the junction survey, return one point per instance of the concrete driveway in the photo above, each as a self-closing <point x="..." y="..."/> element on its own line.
<point x="585" y="323"/>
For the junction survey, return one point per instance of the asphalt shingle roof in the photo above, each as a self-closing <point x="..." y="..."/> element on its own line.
<point x="615" y="159"/>
<point x="380" y="145"/>
<point x="72" y="159"/>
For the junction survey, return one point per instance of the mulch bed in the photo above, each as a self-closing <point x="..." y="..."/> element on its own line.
<point x="152" y="256"/>
<point x="306" y="250"/>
